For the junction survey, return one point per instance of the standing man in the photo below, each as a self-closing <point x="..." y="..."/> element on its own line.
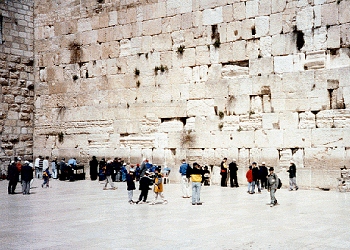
<point x="46" y="163"/>
<point x="36" y="165"/>
<point x="12" y="176"/>
<point x="54" y="168"/>
<point x="143" y="167"/>
<point x="292" y="176"/>
<point x="63" y="170"/>
<point x="256" y="177"/>
<point x="263" y="175"/>
<point x="26" y="176"/>
<point x="233" y="173"/>
<point x="272" y="181"/>
<point x="223" y="172"/>
<point x="196" y="177"/>
<point x="93" y="168"/>
<point x="185" y="183"/>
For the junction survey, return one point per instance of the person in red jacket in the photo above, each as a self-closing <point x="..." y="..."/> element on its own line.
<point x="249" y="176"/>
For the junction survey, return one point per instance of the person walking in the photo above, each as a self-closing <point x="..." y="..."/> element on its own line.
<point x="26" y="177"/>
<point x="273" y="181"/>
<point x="145" y="182"/>
<point x="196" y="178"/>
<point x="223" y="172"/>
<point x="108" y="173"/>
<point x="185" y="182"/>
<point x="158" y="187"/>
<point x="233" y="173"/>
<point x="36" y="165"/>
<point x="292" y="176"/>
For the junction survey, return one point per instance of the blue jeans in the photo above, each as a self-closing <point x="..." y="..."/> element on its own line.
<point x="196" y="192"/>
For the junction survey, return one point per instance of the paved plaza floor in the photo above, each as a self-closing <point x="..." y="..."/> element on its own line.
<point x="80" y="215"/>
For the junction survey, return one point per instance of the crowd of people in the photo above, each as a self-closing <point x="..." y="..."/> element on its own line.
<point x="149" y="176"/>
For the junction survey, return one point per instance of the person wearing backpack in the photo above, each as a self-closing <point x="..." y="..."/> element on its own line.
<point x="272" y="186"/>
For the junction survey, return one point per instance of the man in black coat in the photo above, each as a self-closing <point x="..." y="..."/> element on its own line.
<point x="93" y="168"/>
<point x="233" y="173"/>
<point x="263" y="175"/>
<point x="12" y="176"/>
<point x="256" y="177"/>
<point x="26" y="176"/>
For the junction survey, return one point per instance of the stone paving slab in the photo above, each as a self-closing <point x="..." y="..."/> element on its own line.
<point x="80" y="215"/>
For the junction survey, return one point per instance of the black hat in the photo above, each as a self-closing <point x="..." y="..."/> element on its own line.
<point x="271" y="169"/>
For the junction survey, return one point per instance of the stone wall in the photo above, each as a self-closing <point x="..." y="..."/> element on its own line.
<point x="16" y="79"/>
<point x="253" y="80"/>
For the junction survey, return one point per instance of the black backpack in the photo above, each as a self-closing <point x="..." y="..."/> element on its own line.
<point x="279" y="183"/>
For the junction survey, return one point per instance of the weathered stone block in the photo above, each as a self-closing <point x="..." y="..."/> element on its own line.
<point x="200" y="107"/>
<point x="329" y="14"/>
<point x="283" y="64"/>
<point x="297" y="138"/>
<point x="239" y="11"/>
<point x="252" y="9"/>
<point x="261" y="66"/>
<point x="268" y="138"/>
<point x="304" y="18"/>
<point x="278" y="5"/>
<point x="289" y="120"/>
<point x="152" y="27"/>
<point x="212" y="16"/>
<point x="248" y="25"/>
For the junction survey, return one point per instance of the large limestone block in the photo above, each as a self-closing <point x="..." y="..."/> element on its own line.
<point x="209" y="123"/>
<point x="289" y="120"/>
<point x="297" y="138"/>
<point x="268" y="138"/>
<point x="233" y="31"/>
<point x="283" y="64"/>
<point x="329" y="14"/>
<point x="262" y="26"/>
<point x="247" y="27"/>
<point x="278" y="5"/>
<point x="324" y="157"/>
<point x="189" y="57"/>
<point x="239" y="50"/>
<point x="202" y="55"/>
<point x="252" y="8"/>
<point x="320" y="38"/>
<point x="239" y="11"/>
<point x="200" y="107"/>
<point x="344" y="12"/>
<point x="261" y="66"/>
<point x="264" y="7"/>
<point x="305" y="18"/>
<point x="275" y="23"/>
<point x="84" y="24"/>
<point x="270" y="121"/>
<point x="265" y="46"/>
<point x="325" y="119"/>
<point x="227" y="13"/>
<point x="152" y="27"/>
<point x="252" y="49"/>
<point x="212" y="16"/>
<point x="240" y="86"/>
<point x="174" y="7"/>
<point x="345" y="34"/>
<point x="225" y="52"/>
<point x="269" y="156"/>
<point x="324" y="137"/>
<point x="162" y="42"/>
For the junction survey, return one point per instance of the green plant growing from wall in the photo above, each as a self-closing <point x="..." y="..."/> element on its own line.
<point x="239" y="129"/>
<point x="220" y="126"/>
<point x="162" y="68"/>
<point x="138" y="83"/>
<point x="136" y="72"/>
<point x="221" y="115"/>
<point x="187" y="137"/>
<point x="181" y="49"/>
<point x="217" y="43"/>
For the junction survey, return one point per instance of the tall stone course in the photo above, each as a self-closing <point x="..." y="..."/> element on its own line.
<point x="16" y="79"/>
<point x="198" y="79"/>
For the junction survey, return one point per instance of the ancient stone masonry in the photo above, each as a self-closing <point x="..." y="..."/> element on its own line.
<point x="264" y="80"/>
<point x="16" y="79"/>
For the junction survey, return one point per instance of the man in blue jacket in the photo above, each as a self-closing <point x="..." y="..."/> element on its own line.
<point x="184" y="179"/>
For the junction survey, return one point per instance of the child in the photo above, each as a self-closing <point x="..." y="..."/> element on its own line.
<point x="158" y="187"/>
<point x="46" y="177"/>
<point x="249" y="176"/>
<point x="130" y="185"/>
<point x="272" y="182"/>
<point x="206" y="176"/>
<point x="145" y="182"/>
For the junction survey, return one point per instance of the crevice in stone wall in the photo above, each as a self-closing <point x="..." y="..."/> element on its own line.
<point x="336" y="99"/>
<point x="243" y="63"/>
<point x="76" y="53"/>
<point x="299" y="37"/>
